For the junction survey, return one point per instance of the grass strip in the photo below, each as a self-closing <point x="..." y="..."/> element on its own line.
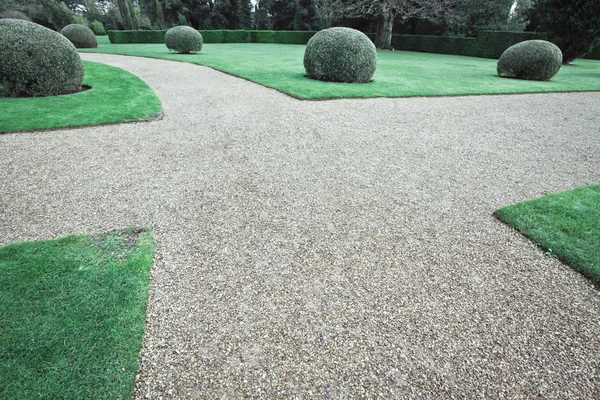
<point x="72" y="314"/>
<point x="399" y="73"/>
<point x="116" y="96"/>
<point x="566" y="224"/>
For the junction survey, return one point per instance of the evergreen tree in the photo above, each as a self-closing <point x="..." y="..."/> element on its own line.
<point x="297" y="20"/>
<point x="125" y="13"/>
<point x="224" y="14"/>
<point x="284" y="13"/>
<point x="148" y="8"/>
<point x="573" y="25"/>
<point x="58" y="13"/>
<point x="195" y="13"/>
<point x="135" y="22"/>
<point x="244" y="14"/>
<point x="160" y="17"/>
<point x="262" y="17"/>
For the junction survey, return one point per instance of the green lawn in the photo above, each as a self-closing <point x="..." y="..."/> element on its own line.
<point x="72" y="314"/>
<point x="566" y="224"/>
<point x="398" y="74"/>
<point x="116" y="96"/>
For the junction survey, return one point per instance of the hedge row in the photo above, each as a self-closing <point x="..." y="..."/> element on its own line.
<point x="216" y="36"/>
<point x="487" y="44"/>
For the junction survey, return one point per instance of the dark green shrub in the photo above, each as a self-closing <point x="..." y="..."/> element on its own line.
<point x="81" y="36"/>
<point x="536" y="60"/>
<point x="97" y="28"/>
<point x="183" y="39"/>
<point x="37" y="61"/>
<point x="340" y="55"/>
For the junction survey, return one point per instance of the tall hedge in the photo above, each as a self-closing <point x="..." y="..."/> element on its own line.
<point x="216" y="36"/>
<point x="488" y="44"/>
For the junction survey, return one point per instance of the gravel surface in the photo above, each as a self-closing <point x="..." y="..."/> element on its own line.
<point x="330" y="249"/>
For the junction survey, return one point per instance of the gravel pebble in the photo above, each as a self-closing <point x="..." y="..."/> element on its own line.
<point x="330" y="249"/>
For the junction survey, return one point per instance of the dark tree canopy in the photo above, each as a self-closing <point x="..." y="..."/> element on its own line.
<point x="469" y="16"/>
<point x="262" y="17"/>
<point x="387" y="12"/>
<point x="573" y="25"/>
<point x="283" y="13"/>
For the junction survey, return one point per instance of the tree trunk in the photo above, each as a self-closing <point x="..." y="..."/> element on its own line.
<point x="385" y="23"/>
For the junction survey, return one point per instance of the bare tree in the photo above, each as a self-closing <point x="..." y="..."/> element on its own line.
<point x="387" y="11"/>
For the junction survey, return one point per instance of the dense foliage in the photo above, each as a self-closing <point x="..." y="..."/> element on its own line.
<point x="183" y="39"/>
<point x="81" y="36"/>
<point x="536" y="60"/>
<point x="340" y="55"/>
<point x="14" y="14"/>
<point x="469" y="16"/>
<point x="98" y="28"/>
<point x="573" y="25"/>
<point x="36" y="61"/>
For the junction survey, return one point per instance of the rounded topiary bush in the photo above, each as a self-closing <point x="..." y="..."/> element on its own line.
<point x="81" y="36"/>
<point x="183" y="39"/>
<point x="536" y="60"/>
<point x="98" y="28"/>
<point x="340" y="55"/>
<point x="37" y="61"/>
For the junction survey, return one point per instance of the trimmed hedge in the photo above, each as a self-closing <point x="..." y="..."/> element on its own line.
<point x="491" y="44"/>
<point x="435" y="44"/>
<point x="239" y="36"/>
<point x="216" y="36"/>
<point x="123" y="37"/>
<point x="488" y="44"/>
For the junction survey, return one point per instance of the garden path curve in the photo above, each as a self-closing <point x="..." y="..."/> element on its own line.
<point x="318" y="249"/>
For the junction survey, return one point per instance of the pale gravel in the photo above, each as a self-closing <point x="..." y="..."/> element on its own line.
<point x="330" y="249"/>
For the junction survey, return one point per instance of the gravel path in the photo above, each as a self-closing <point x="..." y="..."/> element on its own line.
<point x="330" y="249"/>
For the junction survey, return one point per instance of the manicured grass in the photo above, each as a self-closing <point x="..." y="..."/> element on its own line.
<point x="116" y="96"/>
<point x="398" y="73"/>
<point x="566" y="224"/>
<point x="72" y="314"/>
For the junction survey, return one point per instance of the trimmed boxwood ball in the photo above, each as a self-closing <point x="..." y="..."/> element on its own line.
<point x="340" y="55"/>
<point x="536" y="60"/>
<point x="183" y="39"/>
<point x="81" y="36"/>
<point x="37" y="61"/>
